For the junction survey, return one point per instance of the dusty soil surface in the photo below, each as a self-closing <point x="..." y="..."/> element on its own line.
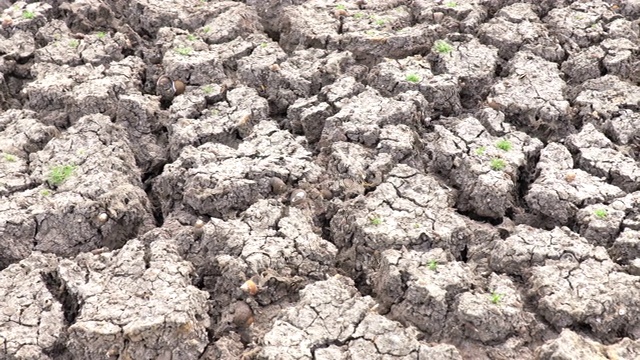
<point x="290" y="179"/>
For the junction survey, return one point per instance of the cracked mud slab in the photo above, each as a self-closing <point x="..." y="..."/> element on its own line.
<point x="319" y="179"/>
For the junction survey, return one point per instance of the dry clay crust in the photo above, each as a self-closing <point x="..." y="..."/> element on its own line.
<point x="404" y="179"/>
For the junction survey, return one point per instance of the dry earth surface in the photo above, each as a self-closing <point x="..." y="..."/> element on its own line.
<point x="290" y="179"/>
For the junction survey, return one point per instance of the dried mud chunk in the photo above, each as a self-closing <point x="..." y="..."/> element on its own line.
<point x="378" y="336"/>
<point x="599" y="224"/>
<point x="311" y="24"/>
<point x="140" y="115"/>
<point x="619" y="59"/>
<point x="239" y="20"/>
<point x="148" y="16"/>
<point x="393" y="141"/>
<point x="548" y="111"/>
<point x="394" y="77"/>
<point x="577" y="25"/>
<point x="495" y="316"/>
<point x="485" y="169"/>
<point x="439" y="352"/>
<point x="309" y="119"/>
<point x="517" y="28"/>
<point x="626" y="247"/>
<point x="197" y="61"/>
<point x="188" y="105"/>
<point x="58" y="46"/>
<point x="32" y="319"/>
<point x="320" y="25"/>
<point x="383" y="40"/>
<point x="559" y="190"/>
<point x="474" y="64"/>
<point x="218" y="180"/>
<point x="487" y="179"/>
<point x="361" y="119"/>
<point x="530" y="247"/>
<point x="222" y="123"/>
<point x="302" y="75"/>
<point x="328" y="311"/>
<point x="408" y="209"/>
<point x="569" y="345"/>
<point x="101" y="48"/>
<point x="603" y="98"/>
<point x="584" y="64"/>
<point x="623" y="28"/>
<point x="18" y="229"/>
<point x="305" y="251"/>
<point x="255" y="69"/>
<point x="272" y="246"/>
<point x="20" y="135"/>
<point x="38" y="13"/>
<point x="146" y="307"/>
<point x="591" y="292"/>
<point x="425" y="283"/>
<point x="597" y="156"/>
<point x="20" y="46"/>
<point x="88" y="15"/>
<point x="339" y="93"/>
<point x="90" y="170"/>
<point x="64" y="95"/>
<point x="623" y="129"/>
<point x="51" y="90"/>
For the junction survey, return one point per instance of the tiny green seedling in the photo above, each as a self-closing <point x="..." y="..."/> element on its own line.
<point x="379" y="22"/>
<point x="600" y="213"/>
<point x="74" y="43"/>
<point x="376" y="220"/>
<point x="451" y="4"/>
<point x="497" y="164"/>
<point x="192" y="37"/>
<point x="28" y="14"/>
<point x="503" y="144"/>
<point x="45" y="192"/>
<point x="496" y="297"/>
<point x="341" y="7"/>
<point x="101" y="34"/>
<point x="414" y="78"/>
<point x="481" y="150"/>
<point x="208" y="89"/>
<point x="59" y="174"/>
<point x="416" y="226"/>
<point x="206" y="29"/>
<point x="442" y="47"/>
<point x="10" y="158"/>
<point x="358" y="16"/>
<point x="184" y="51"/>
<point x="433" y="265"/>
<point x="264" y="45"/>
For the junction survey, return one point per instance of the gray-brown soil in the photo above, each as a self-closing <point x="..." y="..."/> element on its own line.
<point x="291" y="179"/>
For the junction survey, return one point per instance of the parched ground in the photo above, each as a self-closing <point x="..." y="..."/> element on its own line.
<point x="291" y="179"/>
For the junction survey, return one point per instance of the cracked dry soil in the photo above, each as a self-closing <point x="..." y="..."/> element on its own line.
<point x="290" y="179"/>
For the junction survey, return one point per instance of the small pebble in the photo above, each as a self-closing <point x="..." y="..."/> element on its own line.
<point x="242" y="315"/>
<point x="178" y="87"/>
<point x="569" y="177"/>
<point x="103" y="217"/>
<point x="277" y="185"/>
<point x="250" y="287"/>
<point x="298" y="196"/>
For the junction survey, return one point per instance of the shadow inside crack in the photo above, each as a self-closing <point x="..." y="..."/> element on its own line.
<point x="70" y="304"/>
